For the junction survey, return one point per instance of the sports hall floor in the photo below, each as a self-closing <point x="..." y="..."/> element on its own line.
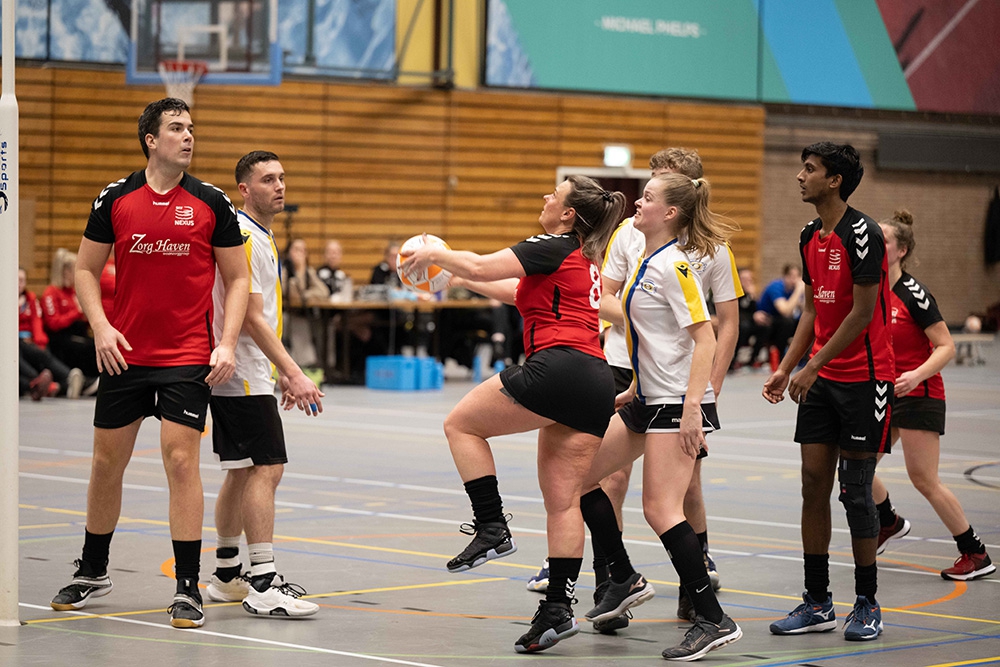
<point x="368" y="514"/>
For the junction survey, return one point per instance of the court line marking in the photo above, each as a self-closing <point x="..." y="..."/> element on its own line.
<point x="255" y="640"/>
<point x="981" y="661"/>
<point x="82" y="615"/>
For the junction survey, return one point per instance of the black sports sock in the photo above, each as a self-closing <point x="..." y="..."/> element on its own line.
<point x="601" y="571"/>
<point x="96" y="548"/>
<point x="599" y="514"/>
<point x="223" y="554"/>
<point x="886" y="513"/>
<point x="969" y="543"/>
<point x="817" y="579"/>
<point x="187" y="564"/>
<point x="484" y="493"/>
<point x="685" y="553"/>
<point x="866" y="581"/>
<point x="563" y="573"/>
<point x="703" y="540"/>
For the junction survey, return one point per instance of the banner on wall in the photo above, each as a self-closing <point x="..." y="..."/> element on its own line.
<point x="926" y="55"/>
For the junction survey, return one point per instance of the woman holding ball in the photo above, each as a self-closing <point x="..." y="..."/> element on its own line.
<point x="564" y="388"/>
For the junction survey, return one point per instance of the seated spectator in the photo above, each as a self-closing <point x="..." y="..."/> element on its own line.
<point x="39" y="373"/>
<point x="754" y="325"/>
<point x="336" y="280"/>
<point x="384" y="272"/>
<point x="66" y="325"/>
<point x="302" y="325"/>
<point x="781" y="306"/>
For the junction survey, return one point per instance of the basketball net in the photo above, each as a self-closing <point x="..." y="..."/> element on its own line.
<point x="181" y="76"/>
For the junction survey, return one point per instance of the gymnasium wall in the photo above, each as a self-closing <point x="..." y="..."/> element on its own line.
<point x="370" y="162"/>
<point x="949" y="213"/>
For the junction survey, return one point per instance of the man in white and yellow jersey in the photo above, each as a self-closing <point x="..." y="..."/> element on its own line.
<point x="247" y="435"/>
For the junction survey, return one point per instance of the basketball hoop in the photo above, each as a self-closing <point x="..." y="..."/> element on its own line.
<point x="181" y="76"/>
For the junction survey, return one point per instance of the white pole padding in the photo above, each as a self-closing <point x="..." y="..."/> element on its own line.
<point x="8" y="326"/>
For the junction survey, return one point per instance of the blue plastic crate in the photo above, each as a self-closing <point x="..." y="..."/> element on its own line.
<point x="430" y="373"/>
<point x="391" y="372"/>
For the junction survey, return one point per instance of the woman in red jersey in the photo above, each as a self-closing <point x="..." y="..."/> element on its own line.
<point x="922" y="346"/>
<point x="564" y="389"/>
<point x="66" y="325"/>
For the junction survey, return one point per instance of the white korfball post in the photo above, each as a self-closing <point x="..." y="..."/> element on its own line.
<point x="8" y="326"/>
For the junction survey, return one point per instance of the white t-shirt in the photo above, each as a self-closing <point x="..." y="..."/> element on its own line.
<point x="254" y="373"/>
<point x="718" y="275"/>
<point x="662" y="298"/>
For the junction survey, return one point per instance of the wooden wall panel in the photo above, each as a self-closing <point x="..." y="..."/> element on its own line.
<point x="366" y="163"/>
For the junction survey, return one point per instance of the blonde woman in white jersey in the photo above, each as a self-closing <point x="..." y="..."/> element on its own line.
<point x="719" y="276"/>
<point x="669" y="407"/>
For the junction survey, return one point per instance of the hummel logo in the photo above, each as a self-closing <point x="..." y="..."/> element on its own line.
<point x="859" y="438"/>
<point x="190" y="414"/>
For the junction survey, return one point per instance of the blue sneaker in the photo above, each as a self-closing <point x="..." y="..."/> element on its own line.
<point x="539" y="581"/>
<point x="864" y="622"/>
<point x="810" y="616"/>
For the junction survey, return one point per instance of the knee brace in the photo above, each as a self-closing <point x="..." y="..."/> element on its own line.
<point x="855" y="477"/>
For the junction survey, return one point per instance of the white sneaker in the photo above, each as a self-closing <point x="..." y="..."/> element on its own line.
<point x="279" y="599"/>
<point x="233" y="590"/>
<point x="74" y="383"/>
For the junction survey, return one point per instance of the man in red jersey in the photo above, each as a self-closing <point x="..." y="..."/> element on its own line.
<point x="157" y="353"/>
<point x="845" y="390"/>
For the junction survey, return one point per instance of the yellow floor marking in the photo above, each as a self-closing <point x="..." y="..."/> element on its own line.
<point x="362" y="591"/>
<point x="167" y="567"/>
<point x="980" y="661"/>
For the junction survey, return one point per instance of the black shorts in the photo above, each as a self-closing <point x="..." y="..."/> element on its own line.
<point x="566" y="386"/>
<point x="851" y="415"/>
<point x="919" y="413"/>
<point x="176" y="393"/>
<point x="641" y="418"/>
<point x="246" y="431"/>
<point x="623" y="378"/>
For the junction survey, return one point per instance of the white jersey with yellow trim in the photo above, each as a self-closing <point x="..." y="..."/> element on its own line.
<point x="718" y="276"/>
<point x="254" y="374"/>
<point x="661" y="299"/>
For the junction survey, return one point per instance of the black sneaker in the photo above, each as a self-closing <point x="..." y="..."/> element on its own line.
<point x="685" y="610"/>
<point x="619" y="622"/>
<point x="609" y="626"/>
<point x="616" y="598"/>
<point x="492" y="540"/>
<point x="704" y="636"/>
<point x="82" y="588"/>
<point x="186" y="612"/>
<point x="552" y="623"/>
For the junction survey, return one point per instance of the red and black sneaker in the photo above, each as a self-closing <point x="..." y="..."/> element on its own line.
<point x="898" y="529"/>
<point x="970" y="566"/>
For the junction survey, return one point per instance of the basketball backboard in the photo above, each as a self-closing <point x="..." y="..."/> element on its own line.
<point x="237" y="39"/>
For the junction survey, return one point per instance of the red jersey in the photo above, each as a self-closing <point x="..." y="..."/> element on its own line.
<point x="29" y="320"/>
<point x="853" y="253"/>
<point x="913" y="310"/>
<point x="165" y="264"/>
<point x="560" y="295"/>
<point x="60" y="308"/>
